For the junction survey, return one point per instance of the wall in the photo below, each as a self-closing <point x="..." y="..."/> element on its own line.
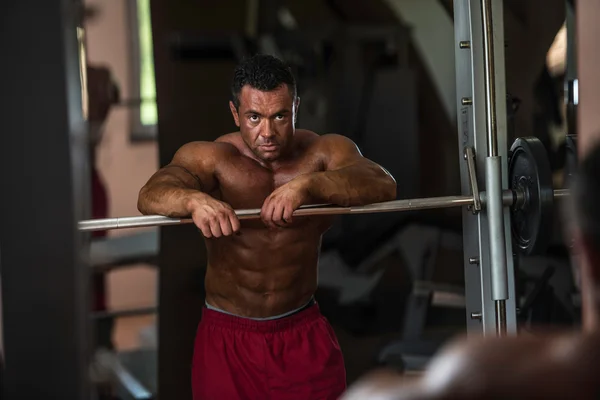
<point x="124" y="166"/>
<point x="588" y="60"/>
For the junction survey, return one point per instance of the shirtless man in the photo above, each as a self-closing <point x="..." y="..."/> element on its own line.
<point x="261" y="334"/>
<point x="552" y="366"/>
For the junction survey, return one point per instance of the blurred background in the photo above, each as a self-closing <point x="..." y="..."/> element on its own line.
<point x="381" y="72"/>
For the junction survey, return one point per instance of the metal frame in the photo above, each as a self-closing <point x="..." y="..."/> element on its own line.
<point x="481" y="298"/>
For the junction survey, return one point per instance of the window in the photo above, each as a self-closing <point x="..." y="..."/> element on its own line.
<point x="143" y="83"/>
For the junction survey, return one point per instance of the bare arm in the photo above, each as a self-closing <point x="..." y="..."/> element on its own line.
<point x="349" y="178"/>
<point x="189" y="176"/>
<point x="182" y="188"/>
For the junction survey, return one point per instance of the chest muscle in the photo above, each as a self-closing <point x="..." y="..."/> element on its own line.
<point x="243" y="183"/>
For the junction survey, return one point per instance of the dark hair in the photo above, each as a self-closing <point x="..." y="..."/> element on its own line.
<point x="585" y="196"/>
<point x="262" y="72"/>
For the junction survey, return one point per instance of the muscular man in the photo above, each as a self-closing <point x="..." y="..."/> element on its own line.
<point x="552" y="366"/>
<point x="261" y="334"/>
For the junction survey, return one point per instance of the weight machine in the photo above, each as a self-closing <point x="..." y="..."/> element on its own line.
<point x="489" y="166"/>
<point x="481" y="119"/>
<point x="493" y="239"/>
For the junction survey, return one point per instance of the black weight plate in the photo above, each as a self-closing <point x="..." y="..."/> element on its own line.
<point x="529" y="171"/>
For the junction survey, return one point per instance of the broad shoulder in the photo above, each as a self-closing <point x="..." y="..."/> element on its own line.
<point x="333" y="142"/>
<point x="332" y="147"/>
<point x="234" y="142"/>
<point x="206" y="150"/>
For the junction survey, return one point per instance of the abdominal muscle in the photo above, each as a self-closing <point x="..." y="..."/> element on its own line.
<point x="262" y="273"/>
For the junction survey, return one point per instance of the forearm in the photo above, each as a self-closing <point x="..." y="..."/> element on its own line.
<point x="354" y="185"/>
<point x="168" y="196"/>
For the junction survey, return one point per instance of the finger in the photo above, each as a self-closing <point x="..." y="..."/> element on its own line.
<point x="268" y="213"/>
<point x="278" y="215"/>
<point x="288" y="213"/>
<point x="215" y="227"/>
<point x="205" y="229"/>
<point x="225" y="225"/>
<point x="265" y="209"/>
<point x="235" y="222"/>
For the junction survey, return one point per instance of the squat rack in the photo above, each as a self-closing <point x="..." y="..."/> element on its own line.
<point x="481" y="121"/>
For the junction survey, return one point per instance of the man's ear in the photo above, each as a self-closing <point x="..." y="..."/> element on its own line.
<point x="235" y="114"/>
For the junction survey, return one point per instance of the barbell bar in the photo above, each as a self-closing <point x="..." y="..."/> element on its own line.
<point x="508" y="199"/>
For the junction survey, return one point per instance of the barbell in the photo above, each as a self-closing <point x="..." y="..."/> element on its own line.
<point x="530" y="198"/>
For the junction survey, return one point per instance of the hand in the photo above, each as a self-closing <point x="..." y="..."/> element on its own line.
<point x="278" y="208"/>
<point x="213" y="217"/>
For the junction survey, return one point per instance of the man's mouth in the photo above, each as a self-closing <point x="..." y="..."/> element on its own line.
<point x="269" y="147"/>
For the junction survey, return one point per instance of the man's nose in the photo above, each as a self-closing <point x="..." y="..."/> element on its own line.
<point x="267" y="130"/>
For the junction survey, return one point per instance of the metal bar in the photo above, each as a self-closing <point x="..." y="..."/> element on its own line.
<point x="499" y="273"/>
<point x="490" y="83"/>
<point x="508" y="198"/>
<point x="501" y="316"/>
<point x="390" y="206"/>
<point x="469" y="119"/>
<point x="497" y="245"/>
<point x="470" y="157"/>
<point x="559" y="193"/>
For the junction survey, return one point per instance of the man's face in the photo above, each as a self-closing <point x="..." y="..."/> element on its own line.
<point x="266" y="121"/>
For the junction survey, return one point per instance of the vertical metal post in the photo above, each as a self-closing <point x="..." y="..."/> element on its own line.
<point x="490" y="83"/>
<point x="489" y="282"/>
<point x="494" y="173"/>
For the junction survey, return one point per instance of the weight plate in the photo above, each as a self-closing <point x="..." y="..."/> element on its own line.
<point x="529" y="173"/>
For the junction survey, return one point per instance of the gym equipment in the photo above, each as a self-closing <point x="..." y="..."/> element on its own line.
<point x="420" y="246"/>
<point x="481" y="119"/>
<point x="532" y="200"/>
<point x="388" y="206"/>
<point x="529" y="172"/>
<point x="397" y="205"/>
<point x="127" y="385"/>
<point x="110" y="253"/>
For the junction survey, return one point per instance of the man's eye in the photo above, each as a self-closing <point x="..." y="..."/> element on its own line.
<point x="254" y="118"/>
<point x="279" y="117"/>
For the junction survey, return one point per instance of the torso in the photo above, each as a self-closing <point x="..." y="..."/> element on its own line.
<point x="263" y="272"/>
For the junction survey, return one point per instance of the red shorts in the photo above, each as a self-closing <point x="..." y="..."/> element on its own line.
<point x="295" y="357"/>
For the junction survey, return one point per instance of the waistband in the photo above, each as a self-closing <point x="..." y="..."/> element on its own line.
<point x="308" y="304"/>
<point x="306" y="314"/>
